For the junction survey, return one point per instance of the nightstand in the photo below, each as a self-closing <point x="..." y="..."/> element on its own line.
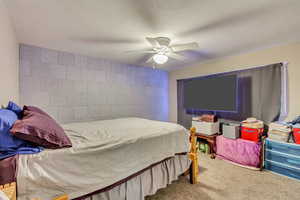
<point x="211" y="140"/>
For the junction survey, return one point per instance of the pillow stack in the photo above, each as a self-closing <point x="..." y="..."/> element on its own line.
<point x="39" y="128"/>
<point x="10" y="145"/>
<point x="28" y="130"/>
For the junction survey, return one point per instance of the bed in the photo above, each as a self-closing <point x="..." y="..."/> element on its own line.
<point x="127" y="158"/>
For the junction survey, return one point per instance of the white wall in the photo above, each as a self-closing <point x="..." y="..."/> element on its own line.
<point x="9" y="59"/>
<point x="276" y="54"/>
<point x="73" y="87"/>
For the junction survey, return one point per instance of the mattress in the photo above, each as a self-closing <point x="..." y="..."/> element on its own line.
<point x="103" y="153"/>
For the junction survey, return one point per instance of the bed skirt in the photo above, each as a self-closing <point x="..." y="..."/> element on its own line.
<point x="144" y="183"/>
<point x="8" y="168"/>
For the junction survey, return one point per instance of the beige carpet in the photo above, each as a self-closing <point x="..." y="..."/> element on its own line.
<point x="222" y="180"/>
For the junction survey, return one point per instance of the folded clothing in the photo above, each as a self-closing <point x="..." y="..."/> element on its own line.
<point x="208" y="118"/>
<point x="280" y="126"/>
<point x="280" y="131"/>
<point x="279" y="135"/>
<point x="10" y="145"/>
<point x="276" y="132"/>
<point x="252" y="123"/>
<point x="280" y="138"/>
<point x="296" y="126"/>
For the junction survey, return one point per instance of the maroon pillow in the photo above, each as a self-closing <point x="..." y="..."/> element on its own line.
<point x="41" y="130"/>
<point x="35" y="109"/>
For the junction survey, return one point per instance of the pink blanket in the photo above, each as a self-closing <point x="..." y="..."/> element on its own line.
<point x="240" y="151"/>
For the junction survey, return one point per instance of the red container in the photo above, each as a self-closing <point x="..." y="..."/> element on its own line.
<point x="296" y="133"/>
<point x="252" y="134"/>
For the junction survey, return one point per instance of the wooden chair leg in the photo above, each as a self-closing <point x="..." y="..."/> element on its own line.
<point x="193" y="155"/>
<point x="191" y="174"/>
<point x="194" y="172"/>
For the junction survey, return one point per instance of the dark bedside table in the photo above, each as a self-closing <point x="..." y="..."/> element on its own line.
<point x="211" y="140"/>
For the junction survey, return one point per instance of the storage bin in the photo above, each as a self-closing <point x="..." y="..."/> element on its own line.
<point x="283" y="169"/>
<point x="240" y="151"/>
<point x="253" y="134"/>
<point x="283" y="147"/>
<point x="287" y="159"/>
<point x="207" y="128"/>
<point x="231" y="130"/>
<point x="296" y="133"/>
<point x="283" y="158"/>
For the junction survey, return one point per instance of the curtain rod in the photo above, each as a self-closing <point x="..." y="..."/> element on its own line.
<point x="248" y="68"/>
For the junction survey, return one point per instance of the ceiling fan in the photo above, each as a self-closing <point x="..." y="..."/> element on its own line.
<point x="162" y="50"/>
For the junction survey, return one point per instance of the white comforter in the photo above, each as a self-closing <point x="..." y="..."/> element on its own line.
<point x="103" y="153"/>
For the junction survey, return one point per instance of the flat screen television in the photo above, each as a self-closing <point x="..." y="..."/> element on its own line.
<point x="212" y="93"/>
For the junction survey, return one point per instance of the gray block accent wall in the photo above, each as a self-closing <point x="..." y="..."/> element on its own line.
<point x="80" y="88"/>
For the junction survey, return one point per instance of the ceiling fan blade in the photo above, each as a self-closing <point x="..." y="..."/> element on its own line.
<point x="149" y="59"/>
<point x="153" y="42"/>
<point x="183" y="47"/>
<point x="106" y="40"/>
<point x="141" y="51"/>
<point x="176" y="56"/>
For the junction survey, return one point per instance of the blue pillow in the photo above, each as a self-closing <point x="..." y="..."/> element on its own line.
<point x="15" y="108"/>
<point x="7" y="141"/>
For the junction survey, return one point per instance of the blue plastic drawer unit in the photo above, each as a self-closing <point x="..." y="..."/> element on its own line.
<point x="283" y="169"/>
<point x="283" y="147"/>
<point x="283" y="158"/>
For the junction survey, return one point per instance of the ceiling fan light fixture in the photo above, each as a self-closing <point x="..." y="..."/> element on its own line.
<point x="160" y="58"/>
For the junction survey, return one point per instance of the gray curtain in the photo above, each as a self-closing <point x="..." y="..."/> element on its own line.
<point x="183" y="117"/>
<point x="259" y="96"/>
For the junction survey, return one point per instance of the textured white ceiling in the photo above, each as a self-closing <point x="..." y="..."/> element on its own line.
<point x="109" y="28"/>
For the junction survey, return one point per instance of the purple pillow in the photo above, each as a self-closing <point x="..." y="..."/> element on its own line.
<point x="35" y="109"/>
<point x="41" y="130"/>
